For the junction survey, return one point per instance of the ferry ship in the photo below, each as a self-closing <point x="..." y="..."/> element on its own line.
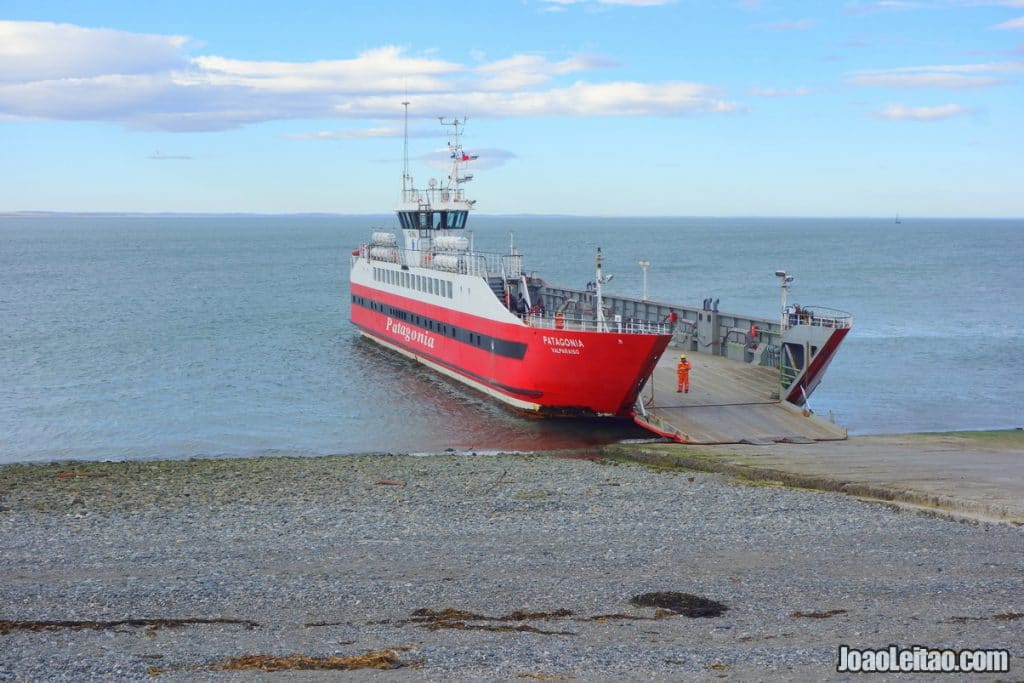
<point x="478" y="318"/>
<point x="425" y="292"/>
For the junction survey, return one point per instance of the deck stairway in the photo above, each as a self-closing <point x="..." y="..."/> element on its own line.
<point x="497" y="285"/>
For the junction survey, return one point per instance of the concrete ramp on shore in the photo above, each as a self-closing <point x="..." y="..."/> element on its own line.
<point x="729" y="402"/>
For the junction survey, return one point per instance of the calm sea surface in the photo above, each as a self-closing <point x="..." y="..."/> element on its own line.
<point x="178" y="337"/>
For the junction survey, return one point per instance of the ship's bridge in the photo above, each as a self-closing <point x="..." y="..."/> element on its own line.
<point x="420" y="218"/>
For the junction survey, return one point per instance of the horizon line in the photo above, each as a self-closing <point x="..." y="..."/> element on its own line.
<point x="283" y="214"/>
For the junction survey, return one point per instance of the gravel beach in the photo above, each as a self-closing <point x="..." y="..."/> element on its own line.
<point x="508" y="567"/>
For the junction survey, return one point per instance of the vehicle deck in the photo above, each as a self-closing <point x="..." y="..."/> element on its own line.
<point x="729" y="402"/>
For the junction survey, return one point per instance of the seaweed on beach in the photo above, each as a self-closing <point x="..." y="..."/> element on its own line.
<point x="1008" y="616"/>
<point x="9" y="626"/>
<point x="658" y="614"/>
<point x="667" y="604"/>
<point x="817" y="615"/>
<point x="371" y="659"/>
<point x="449" y="618"/>
<point x="693" y="606"/>
<point x="1005" y="616"/>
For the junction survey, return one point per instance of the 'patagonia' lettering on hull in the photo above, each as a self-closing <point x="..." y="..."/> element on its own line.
<point x="409" y="334"/>
<point x="564" y="345"/>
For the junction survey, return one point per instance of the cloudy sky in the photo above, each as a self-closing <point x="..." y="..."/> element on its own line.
<point x="590" y="107"/>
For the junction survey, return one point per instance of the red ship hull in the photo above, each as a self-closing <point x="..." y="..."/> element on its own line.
<point x="809" y="381"/>
<point x="549" y="371"/>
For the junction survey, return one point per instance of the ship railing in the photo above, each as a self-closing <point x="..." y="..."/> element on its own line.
<point x="818" y="316"/>
<point x="480" y="264"/>
<point x="485" y="264"/>
<point x="580" y="324"/>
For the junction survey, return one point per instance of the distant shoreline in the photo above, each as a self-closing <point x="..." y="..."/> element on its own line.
<point x="331" y="214"/>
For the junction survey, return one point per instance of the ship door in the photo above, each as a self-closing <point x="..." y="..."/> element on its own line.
<point x="793" y="360"/>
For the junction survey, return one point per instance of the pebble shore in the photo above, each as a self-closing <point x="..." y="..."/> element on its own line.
<point x="468" y="567"/>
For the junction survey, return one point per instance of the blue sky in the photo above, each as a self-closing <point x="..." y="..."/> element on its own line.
<point x="587" y="107"/>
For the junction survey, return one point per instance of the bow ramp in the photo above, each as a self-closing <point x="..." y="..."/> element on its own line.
<point x="729" y="401"/>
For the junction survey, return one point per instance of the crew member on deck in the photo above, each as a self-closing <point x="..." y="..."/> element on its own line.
<point x="683" y="373"/>
<point x="672" y="319"/>
<point x="520" y="304"/>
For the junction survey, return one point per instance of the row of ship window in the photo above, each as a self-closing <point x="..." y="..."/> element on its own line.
<point x="423" y="322"/>
<point x="401" y="278"/>
<point x="433" y="220"/>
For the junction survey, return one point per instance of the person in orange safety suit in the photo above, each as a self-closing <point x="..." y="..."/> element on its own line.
<point x="683" y="373"/>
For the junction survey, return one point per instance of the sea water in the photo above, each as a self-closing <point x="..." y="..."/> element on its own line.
<point x="212" y="336"/>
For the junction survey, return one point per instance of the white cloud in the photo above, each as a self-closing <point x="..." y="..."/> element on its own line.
<point x="37" y="51"/>
<point x="954" y="76"/>
<point x="524" y="71"/>
<point x="991" y="3"/>
<point x="385" y="69"/>
<point x="1011" y="25"/>
<point x="900" y="112"/>
<point x="107" y="97"/>
<point x="924" y="80"/>
<point x="579" y="99"/>
<point x="487" y="158"/>
<point x="781" y="92"/>
<point x="145" y="81"/>
<point x="884" y="6"/>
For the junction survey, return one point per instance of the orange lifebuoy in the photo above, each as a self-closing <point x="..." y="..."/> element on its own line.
<point x="559" y="321"/>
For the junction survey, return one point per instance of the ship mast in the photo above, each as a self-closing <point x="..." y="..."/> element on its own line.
<point x="599" y="280"/>
<point x="406" y="178"/>
<point x="458" y="157"/>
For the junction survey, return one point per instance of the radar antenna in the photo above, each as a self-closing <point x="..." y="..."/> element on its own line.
<point x="458" y="157"/>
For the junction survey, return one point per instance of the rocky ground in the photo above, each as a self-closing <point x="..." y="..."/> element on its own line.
<point x="476" y="567"/>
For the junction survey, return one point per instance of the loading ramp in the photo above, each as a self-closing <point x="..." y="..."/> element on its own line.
<point x="729" y="401"/>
